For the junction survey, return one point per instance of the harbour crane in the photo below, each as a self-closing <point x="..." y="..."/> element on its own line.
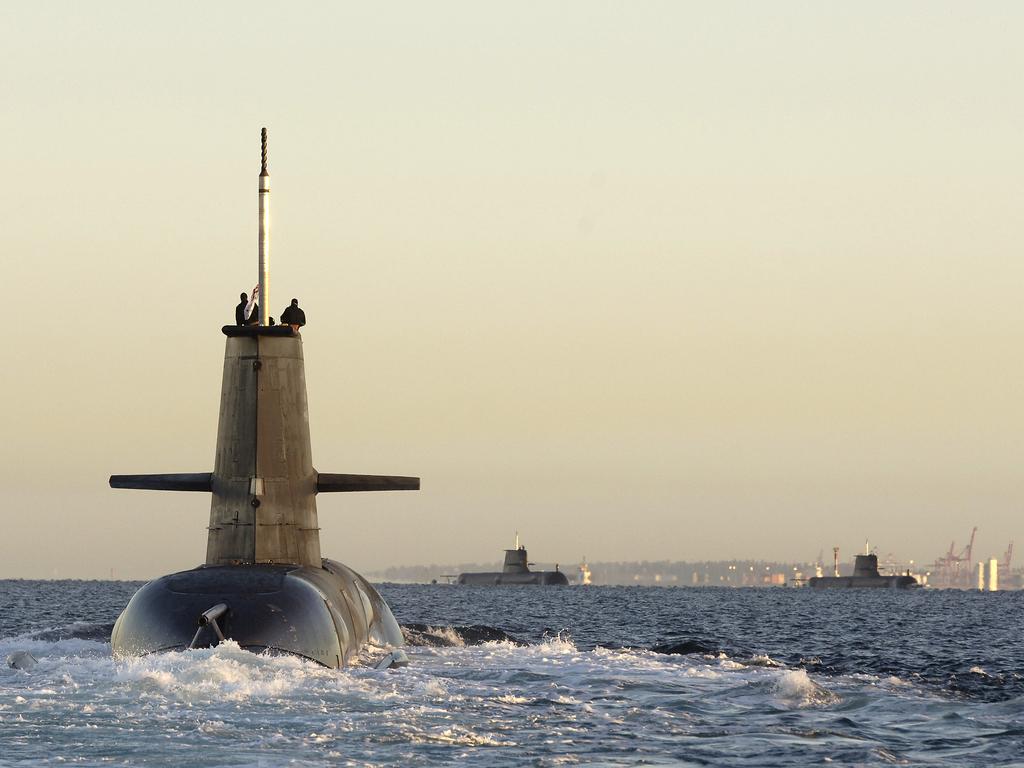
<point x="949" y="565"/>
<point x="1004" y="567"/>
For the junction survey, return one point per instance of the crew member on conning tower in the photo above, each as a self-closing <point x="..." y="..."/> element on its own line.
<point x="240" y="310"/>
<point x="293" y="316"/>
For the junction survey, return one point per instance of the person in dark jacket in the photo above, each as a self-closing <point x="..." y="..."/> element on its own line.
<point x="240" y="310"/>
<point x="293" y="316"/>
<point x="248" y="312"/>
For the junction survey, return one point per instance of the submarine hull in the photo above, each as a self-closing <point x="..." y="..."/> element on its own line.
<point x="324" y="614"/>
<point x="535" y="578"/>
<point x="862" y="582"/>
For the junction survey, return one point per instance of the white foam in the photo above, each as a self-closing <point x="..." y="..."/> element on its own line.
<point x="448" y="703"/>
<point x="454" y="735"/>
<point x="705" y="672"/>
<point x="796" y="687"/>
<point x="448" y="634"/>
<point x="72" y="646"/>
<point x="510" y="698"/>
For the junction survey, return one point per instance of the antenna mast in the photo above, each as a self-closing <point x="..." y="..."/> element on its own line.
<point x="264" y="237"/>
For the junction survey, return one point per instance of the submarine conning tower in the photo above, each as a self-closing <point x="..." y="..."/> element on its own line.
<point x="263" y="484"/>
<point x="866" y="565"/>
<point x="515" y="561"/>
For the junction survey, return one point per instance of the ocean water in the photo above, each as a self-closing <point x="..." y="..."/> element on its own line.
<point x="532" y="676"/>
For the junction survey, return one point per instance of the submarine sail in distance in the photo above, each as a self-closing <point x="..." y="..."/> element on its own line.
<point x="264" y="584"/>
<point x="514" y="571"/>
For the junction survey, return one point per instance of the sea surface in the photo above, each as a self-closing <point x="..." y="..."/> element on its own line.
<point x="516" y="676"/>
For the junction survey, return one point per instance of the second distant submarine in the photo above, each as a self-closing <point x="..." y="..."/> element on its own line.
<point x="516" y="571"/>
<point x="865" y="576"/>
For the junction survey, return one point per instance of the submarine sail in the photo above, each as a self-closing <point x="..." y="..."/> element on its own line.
<point x="264" y="584"/>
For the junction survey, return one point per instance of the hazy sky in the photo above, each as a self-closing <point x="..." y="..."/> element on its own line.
<point x="641" y="280"/>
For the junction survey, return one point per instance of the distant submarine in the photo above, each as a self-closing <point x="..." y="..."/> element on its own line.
<point x="264" y="584"/>
<point x="515" y="571"/>
<point x="865" y="576"/>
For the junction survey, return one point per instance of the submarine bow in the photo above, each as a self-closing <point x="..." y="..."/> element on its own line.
<point x="264" y="584"/>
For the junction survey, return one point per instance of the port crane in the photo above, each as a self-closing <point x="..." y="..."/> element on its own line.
<point x="1004" y="567"/>
<point x="951" y="574"/>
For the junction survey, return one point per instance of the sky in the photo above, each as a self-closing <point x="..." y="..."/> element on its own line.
<point x="641" y="281"/>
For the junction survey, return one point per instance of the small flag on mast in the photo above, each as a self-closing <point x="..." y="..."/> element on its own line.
<point x="252" y="302"/>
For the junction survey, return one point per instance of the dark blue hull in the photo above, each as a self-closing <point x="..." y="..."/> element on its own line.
<point x="862" y="582"/>
<point x="536" y="578"/>
<point x="323" y="614"/>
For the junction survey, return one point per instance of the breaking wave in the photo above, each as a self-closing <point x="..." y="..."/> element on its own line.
<point x="441" y="636"/>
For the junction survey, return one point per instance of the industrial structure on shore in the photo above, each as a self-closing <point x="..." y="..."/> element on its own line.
<point x="957" y="569"/>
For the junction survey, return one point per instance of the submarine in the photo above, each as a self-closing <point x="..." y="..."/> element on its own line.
<point x="264" y="584"/>
<point x="865" y="576"/>
<point x="516" y="570"/>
